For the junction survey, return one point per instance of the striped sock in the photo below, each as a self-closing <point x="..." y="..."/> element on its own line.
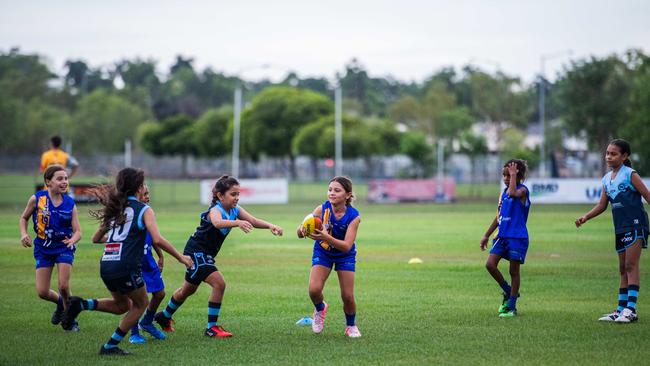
<point x="148" y="317"/>
<point x="115" y="339"/>
<point x="350" y="319"/>
<point x="622" y="299"/>
<point x="213" y="313"/>
<point x="89" y="304"/>
<point x="632" y="295"/>
<point x="171" y="308"/>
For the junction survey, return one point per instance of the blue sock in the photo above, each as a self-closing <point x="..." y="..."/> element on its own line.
<point x="632" y="296"/>
<point x="320" y="307"/>
<point x="350" y="319"/>
<point x="506" y="288"/>
<point x="512" y="302"/>
<point x="622" y="298"/>
<point x="171" y="308"/>
<point x="213" y="313"/>
<point x="115" y="339"/>
<point x="90" y="304"/>
<point x="148" y="317"/>
<point x="135" y="330"/>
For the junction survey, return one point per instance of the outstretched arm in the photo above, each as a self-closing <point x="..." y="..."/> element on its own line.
<point x="597" y="210"/>
<point x="258" y="223"/>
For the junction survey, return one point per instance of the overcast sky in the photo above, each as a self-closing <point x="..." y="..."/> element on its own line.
<point x="406" y="39"/>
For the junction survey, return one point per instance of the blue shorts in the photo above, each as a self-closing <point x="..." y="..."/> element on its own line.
<point x="343" y="263"/>
<point x="510" y="248"/>
<point x="46" y="257"/>
<point x="153" y="280"/>
<point x="626" y="239"/>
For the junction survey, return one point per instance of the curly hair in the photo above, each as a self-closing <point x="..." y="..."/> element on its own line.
<point x="114" y="197"/>
<point x="522" y="168"/>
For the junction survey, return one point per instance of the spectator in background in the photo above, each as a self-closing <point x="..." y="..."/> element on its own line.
<point x="57" y="156"/>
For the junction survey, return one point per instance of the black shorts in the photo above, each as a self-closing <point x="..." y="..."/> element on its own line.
<point x="626" y="239"/>
<point x="124" y="284"/>
<point x="202" y="268"/>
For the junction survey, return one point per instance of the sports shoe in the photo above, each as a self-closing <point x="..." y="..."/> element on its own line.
<point x="57" y="315"/>
<point x="167" y="324"/>
<point x="74" y="328"/>
<point x="136" y="339"/>
<point x="627" y="316"/>
<point x="610" y="317"/>
<point x="151" y="329"/>
<point x="115" y="351"/>
<point x="504" y="303"/>
<point x="319" y="319"/>
<point x="352" y="331"/>
<point x="508" y="313"/>
<point x="69" y="316"/>
<point x="217" y="331"/>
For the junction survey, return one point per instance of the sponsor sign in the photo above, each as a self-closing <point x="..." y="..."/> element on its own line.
<point x="566" y="190"/>
<point x="252" y="191"/>
<point x="411" y="190"/>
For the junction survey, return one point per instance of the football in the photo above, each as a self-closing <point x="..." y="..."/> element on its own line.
<point x="311" y="223"/>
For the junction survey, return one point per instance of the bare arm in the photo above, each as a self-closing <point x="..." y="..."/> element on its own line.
<point x="597" y="210"/>
<point x="221" y="223"/>
<point x="486" y="237"/>
<point x="258" y="223"/>
<point x="99" y="236"/>
<point x="76" y="230"/>
<point x="158" y="240"/>
<point x="343" y="245"/>
<point x="318" y="211"/>
<point x="640" y="186"/>
<point x="25" y="240"/>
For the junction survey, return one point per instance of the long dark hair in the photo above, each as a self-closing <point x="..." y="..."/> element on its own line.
<point x="624" y="147"/>
<point x="346" y="183"/>
<point x="114" y="197"/>
<point x="522" y="168"/>
<point x="223" y="184"/>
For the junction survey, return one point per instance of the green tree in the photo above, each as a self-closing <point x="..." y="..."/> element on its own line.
<point x="173" y="136"/>
<point x="24" y="77"/>
<point x="211" y="132"/>
<point x="275" y="115"/>
<point x="636" y="128"/>
<point x="103" y="121"/>
<point x="414" y="144"/>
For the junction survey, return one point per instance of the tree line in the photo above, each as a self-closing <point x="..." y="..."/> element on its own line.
<point x="188" y="112"/>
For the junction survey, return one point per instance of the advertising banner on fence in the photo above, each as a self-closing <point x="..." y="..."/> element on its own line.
<point x="411" y="190"/>
<point x="566" y="190"/>
<point x="252" y="191"/>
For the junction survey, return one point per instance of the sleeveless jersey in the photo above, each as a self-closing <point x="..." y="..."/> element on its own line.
<point x="207" y="238"/>
<point x="148" y="261"/>
<point x="512" y="215"/>
<point x="336" y="228"/>
<point x="627" y="207"/>
<point x="125" y="245"/>
<point x="52" y="223"/>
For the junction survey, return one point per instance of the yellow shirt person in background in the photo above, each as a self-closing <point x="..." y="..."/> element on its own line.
<point x="57" y="156"/>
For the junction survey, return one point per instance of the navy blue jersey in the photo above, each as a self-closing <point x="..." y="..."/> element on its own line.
<point x="125" y="244"/>
<point x="336" y="228"/>
<point x="627" y="207"/>
<point x="52" y="223"/>
<point x="207" y="238"/>
<point x="512" y="215"/>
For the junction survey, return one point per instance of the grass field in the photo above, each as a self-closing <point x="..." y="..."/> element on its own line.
<point x="440" y="312"/>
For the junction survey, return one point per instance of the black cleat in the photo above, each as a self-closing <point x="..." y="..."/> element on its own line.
<point x="115" y="351"/>
<point x="167" y="324"/>
<point x="69" y="316"/>
<point x="57" y="315"/>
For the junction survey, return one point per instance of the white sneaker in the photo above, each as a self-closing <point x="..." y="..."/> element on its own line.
<point x="319" y="320"/>
<point x="352" y="331"/>
<point x="610" y="317"/>
<point x="627" y="316"/>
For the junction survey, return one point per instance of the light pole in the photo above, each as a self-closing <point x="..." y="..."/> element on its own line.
<point x="338" y="130"/>
<point x="237" y="118"/>
<point x="542" y="107"/>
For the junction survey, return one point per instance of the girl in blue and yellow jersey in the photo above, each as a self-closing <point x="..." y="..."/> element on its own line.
<point x="214" y="226"/>
<point x="124" y="224"/>
<point x="57" y="232"/>
<point x="511" y="240"/>
<point x="335" y="247"/>
<point x="623" y="187"/>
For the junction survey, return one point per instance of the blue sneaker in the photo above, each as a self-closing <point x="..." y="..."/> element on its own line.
<point x="151" y="329"/>
<point x="137" y="339"/>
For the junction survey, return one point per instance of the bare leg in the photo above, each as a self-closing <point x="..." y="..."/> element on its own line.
<point x="317" y="277"/>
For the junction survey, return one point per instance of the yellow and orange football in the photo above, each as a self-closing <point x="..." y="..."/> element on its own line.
<point x="311" y="223"/>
